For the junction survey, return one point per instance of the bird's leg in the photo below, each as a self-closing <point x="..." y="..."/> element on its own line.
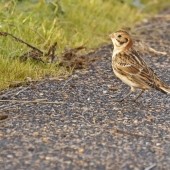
<point x="130" y="92"/>
<point x="135" y="99"/>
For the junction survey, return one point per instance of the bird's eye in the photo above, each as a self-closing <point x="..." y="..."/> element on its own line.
<point x="119" y="36"/>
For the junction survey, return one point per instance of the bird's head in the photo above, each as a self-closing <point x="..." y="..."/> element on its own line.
<point x="121" y="40"/>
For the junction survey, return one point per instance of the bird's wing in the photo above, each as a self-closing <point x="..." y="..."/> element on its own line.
<point x="132" y="65"/>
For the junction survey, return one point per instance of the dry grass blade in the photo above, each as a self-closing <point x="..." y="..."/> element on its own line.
<point x="145" y="48"/>
<point x="129" y="133"/>
<point x="150" y="167"/>
<point x="22" y="83"/>
<point x="163" y="16"/>
<point x="156" y="52"/>
<point x="147" y="39"/>
<point x="38" y="101"/>
<point x="51" y="53"/>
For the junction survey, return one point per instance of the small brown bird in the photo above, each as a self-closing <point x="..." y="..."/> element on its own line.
<point x="129" y="67"/>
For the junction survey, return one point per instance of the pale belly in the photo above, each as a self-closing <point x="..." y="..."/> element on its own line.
<point x="125" y="80"/>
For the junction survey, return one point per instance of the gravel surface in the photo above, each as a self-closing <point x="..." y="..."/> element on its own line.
<point x="84" y="128"/>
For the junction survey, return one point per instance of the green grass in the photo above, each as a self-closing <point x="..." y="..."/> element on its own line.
<point x="69" y="22"/>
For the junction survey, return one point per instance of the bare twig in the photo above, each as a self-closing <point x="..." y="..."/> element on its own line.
<point x="39" y="101"/>
<point x="19" y="40"/>
<point x="35" y="53"/>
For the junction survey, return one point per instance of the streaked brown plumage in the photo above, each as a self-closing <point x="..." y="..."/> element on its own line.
<point x="131" y="68"/>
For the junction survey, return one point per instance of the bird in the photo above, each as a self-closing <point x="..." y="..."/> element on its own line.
<point x="131" y="68"/>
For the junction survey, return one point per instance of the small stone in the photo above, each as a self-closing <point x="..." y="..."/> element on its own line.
<point x="80" y="150"/>
<point x="45" y="140"/>
<point x="31" y="149"/>
<point x="158" y="144"/>
<point x="35" y="134"/>
<point x="105" y="91"/>
<point x="10" y="156"/>
<point x="135" y="121"/>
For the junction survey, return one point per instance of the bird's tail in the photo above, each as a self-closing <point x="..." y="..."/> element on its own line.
<point x="161" y="86"/>
<point x="165" y="88"/>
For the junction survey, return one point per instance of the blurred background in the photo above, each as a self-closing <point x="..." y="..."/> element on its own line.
<point x="70" y="23"/>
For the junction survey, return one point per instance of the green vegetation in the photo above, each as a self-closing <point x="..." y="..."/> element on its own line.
<point x="71" y="23"/>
